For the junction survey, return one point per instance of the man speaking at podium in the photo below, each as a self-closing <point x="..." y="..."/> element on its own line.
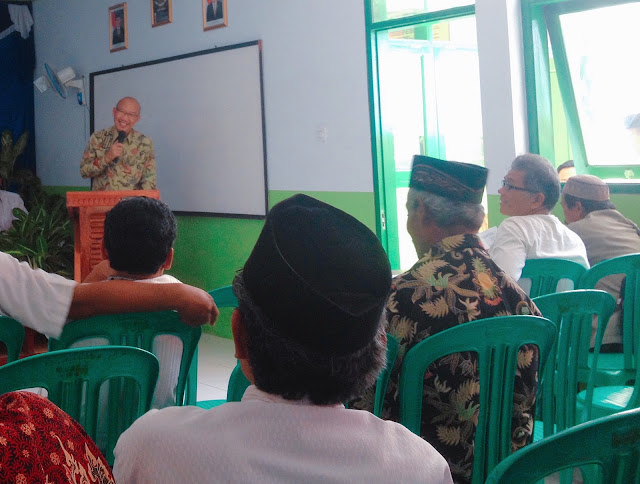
<point x="119" y="157"/>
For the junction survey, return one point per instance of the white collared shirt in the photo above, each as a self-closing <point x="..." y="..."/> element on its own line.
<point x="265" y="438"/>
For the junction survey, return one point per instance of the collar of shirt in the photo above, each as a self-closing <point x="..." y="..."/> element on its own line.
<point x="253" y="393"/>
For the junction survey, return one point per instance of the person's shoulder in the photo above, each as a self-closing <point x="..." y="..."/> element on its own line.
<point x="141" y="138"/>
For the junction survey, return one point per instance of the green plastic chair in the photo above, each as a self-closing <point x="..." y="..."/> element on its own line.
<point x="12" y="335"/>
<point x="73" y="379"/>
<point x="138" y="330"/>
<point x="546" y="273"/>
<point x="619" y="368"/>
<point x="238" y="383"/>
<point x="572" y="312"/>
<point x="496" y="341"/>
<point x="612" y="444"/>
<point x="224" y="298"/>
<point x="383" y="378"/>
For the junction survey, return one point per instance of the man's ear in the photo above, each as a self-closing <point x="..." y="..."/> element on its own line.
<point x="169" y="260"/>
<point x="240" y="336"/>
<point x="538" y="200"/>
<point x="241" y="342"/>
<point x="105" y="254"/>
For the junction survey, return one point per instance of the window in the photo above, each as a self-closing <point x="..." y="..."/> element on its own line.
<point x="583" y="84"/>
<point x="425" y="100"/>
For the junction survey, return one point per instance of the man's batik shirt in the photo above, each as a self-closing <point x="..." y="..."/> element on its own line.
<point x="135" y="169"/>
<point x="454" y="283"/>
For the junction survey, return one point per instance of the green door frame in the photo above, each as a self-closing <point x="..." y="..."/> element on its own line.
<point x="384" y="174"/>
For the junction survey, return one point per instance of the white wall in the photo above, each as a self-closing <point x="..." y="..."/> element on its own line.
<point x="314" y="68"/>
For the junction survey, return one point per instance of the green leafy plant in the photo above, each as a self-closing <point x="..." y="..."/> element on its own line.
<point x="43" y="237"/>
<point x="9" y="153"/>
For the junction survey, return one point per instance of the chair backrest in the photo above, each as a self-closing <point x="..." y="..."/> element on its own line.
<point x="613" y="443"/>
<point x="383" y="378"/>
<point x="546" y="273"/>
<point x="138" y="330"/>
<point x="629" y="265"/>
<point x="573" y="313"/>
<point x="12" y="335"/>
<point x="496" y="341"/>
<point x="73" y="379"/>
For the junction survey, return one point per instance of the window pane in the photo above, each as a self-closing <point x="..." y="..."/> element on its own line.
<point x="390" y="9"/>
<point x="602" y="51"/>
<point x="429" y="87"/>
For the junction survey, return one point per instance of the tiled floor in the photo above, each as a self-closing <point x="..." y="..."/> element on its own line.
<point x="215" y="362"/>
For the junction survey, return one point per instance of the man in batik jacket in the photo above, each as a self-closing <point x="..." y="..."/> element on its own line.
<point x="454" y="282"/>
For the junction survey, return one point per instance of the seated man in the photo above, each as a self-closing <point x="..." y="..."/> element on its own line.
<point x="45" y="302"/>
<point x="454" y="282"/>
<point x="566" y="170"/>
<point x="606" y="233"/>
<point x="309" y="334"/>
<point x="529" y="192"/>
<point x="139" y="233"/>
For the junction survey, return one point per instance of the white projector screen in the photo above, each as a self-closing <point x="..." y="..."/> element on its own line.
<point x="204" y="113"/>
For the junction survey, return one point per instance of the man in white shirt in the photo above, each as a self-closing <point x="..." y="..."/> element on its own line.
<point x="309" y="333"/>
<point x="45" y="302"/>
<point x="529" y="192"/>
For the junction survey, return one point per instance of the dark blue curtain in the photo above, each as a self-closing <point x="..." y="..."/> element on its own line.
<point x="17" y="63"/>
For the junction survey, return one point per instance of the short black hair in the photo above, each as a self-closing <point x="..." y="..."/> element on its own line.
<point x="588" y="205"/>
<point x="566" y="164"/>
<point x="539" y="176"/>
<point x="139" y="232"/>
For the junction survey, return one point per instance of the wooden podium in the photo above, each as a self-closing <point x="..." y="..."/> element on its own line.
<point x="88" y="210"/>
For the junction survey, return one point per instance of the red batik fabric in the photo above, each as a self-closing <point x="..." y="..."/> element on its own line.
<point x="41" y="443"/>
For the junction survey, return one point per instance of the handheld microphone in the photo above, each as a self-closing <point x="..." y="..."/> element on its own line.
<point x="121" y="137"/>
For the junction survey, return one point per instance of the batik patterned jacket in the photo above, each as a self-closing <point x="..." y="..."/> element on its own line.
<point x="454" y="283"/>
<point x="136" y="168"/>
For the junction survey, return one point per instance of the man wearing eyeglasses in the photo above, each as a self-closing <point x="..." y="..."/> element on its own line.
<point x="119" y="157"/>
<point x="529" y="192"/>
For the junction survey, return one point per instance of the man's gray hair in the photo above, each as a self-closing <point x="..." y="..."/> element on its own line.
<point x="539" y="176"/>
<point x="446" y="212"/>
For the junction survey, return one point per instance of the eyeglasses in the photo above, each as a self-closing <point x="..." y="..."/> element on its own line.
<point x="128" y="115"/>
<point x="508" y="186"/>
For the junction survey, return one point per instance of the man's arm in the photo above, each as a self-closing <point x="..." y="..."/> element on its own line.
<point x="195" y="306"/>
<point x="96" y="159"/>
<point x="148" y="180"/>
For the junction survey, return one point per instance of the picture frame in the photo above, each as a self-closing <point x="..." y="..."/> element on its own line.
<point x="214" y="14"/>
<point x="161" y="12"/>
<point x="118" y="28"/>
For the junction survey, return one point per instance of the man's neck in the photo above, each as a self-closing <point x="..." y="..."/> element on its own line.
<point x="136" y="277"/>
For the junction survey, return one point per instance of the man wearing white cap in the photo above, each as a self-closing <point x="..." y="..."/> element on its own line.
<point x="606" y="233"/>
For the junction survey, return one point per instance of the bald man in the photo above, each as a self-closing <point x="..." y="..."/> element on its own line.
<point x="119" y="157"/>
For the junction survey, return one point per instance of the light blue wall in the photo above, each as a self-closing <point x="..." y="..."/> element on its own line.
<point x="314" y="63"/>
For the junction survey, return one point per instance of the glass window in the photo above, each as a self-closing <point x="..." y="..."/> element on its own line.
<point x="391" y="9"/>
<point x="602" y="53"/>
<point x="583" y="78"/>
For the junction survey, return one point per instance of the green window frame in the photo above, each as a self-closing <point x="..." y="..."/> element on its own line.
<point x="542" y="18"/>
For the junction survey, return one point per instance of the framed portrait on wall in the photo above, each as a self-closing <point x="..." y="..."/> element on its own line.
<point x="214" y="14"/>
<point x="118" y="29"/>
<point x="160" y="12"/>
